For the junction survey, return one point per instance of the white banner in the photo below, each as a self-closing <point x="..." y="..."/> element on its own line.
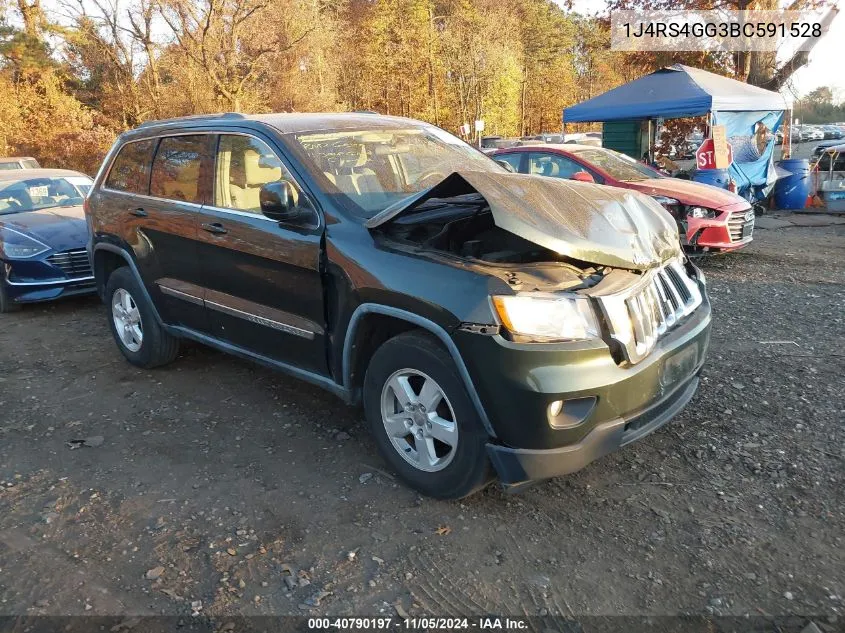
<point x="716" y="30"/>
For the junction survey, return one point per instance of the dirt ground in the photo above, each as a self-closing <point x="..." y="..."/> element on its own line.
<point x="223" y="488"/>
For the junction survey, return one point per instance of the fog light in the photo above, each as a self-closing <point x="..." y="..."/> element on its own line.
<point x="566" y="414"/>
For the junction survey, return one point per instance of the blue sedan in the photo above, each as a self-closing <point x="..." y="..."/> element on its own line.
<point x="43" y="236"/>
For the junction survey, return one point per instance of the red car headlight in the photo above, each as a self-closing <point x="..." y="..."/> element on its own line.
<point x="701" y="212"/>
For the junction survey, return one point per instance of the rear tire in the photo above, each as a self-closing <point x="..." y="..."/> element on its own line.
<point x="439" y="449"/>
<point x="6" y="303"/>
<point x="138" y="334"/>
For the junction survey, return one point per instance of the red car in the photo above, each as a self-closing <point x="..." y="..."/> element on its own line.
<point x="709" y="218"/>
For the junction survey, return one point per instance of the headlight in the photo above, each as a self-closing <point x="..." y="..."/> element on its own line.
<point x="700" y="212"/>
<point x="666" y="201"/>
<point x="547" y="317"/>
<point x="14" y="245"/>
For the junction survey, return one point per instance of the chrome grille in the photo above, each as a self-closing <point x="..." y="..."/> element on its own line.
<point x="639" y="316"/>
<point x="736" y="221"/>
<point x="73" y="263"/>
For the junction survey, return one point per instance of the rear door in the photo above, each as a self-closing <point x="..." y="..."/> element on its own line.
<point x="177" y="194"/>
<point x="263" y="285"/>
<point x="150" y="198"/>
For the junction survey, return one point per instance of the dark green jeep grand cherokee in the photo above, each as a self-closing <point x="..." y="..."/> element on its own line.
<point x="491" y="323"/>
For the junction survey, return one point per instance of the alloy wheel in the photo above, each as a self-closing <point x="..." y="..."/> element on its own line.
<point x="419" y="420"/>
<point x="127" y="320"/>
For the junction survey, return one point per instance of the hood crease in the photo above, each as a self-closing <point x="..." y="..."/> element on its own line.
<point x="601" y="225"/>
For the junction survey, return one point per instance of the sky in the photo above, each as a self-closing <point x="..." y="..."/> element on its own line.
<point x="825" y="59"/>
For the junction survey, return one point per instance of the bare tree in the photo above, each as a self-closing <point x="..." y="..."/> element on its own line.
<point x="219" y="37"/>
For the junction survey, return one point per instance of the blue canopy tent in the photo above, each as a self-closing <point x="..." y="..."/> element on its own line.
<point x="682" y="91"/>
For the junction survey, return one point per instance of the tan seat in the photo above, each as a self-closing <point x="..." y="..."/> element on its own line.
<point x="551" y="169"/>
<point x="247" y="197"/>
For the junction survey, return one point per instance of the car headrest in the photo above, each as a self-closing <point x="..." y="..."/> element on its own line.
<point x="362" y="156"/>
<point x="258" y="173"/>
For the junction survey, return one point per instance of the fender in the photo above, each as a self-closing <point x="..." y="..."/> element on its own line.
<point x="426" y="324"/>
<point x="104" y="246"/>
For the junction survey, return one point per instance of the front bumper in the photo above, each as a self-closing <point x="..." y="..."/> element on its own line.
<point x="727" y="232"/>
<point x="35" y="292"/>
<point x="607" y="405"/>
<point x="517" y="467"/>
<point x="44" y="278"/>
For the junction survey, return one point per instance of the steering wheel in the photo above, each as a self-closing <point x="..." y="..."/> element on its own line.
<point x="430" y="179"/>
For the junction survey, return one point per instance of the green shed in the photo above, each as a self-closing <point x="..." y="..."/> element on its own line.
<point x="628" y="137"/>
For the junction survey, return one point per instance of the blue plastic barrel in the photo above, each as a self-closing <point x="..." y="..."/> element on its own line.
<point x="791" y="191"/>
<point x="715" y="177"/>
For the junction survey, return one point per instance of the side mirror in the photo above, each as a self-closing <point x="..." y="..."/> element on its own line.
<point x="582" y="176"/>
<point x="278" y="201"/>
<point x="506" y="165"/>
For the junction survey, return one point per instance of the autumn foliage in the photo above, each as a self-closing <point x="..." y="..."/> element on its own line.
<point x="74" y="77"/>
<point x="70" y="82"/>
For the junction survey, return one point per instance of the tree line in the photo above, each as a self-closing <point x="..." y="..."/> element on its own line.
<point x="820" y="106"/>
<point x="73" y="77"/>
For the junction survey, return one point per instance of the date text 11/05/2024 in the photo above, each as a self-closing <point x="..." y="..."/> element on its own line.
<point x="485" y="623"/>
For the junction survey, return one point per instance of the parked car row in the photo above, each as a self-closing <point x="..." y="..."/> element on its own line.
<point x="807" y="133"/>
<point x="492" y="324"/>
<point x="492" y="143"/>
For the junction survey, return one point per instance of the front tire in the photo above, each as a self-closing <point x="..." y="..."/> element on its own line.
<point x="137" y="332"/>
<point x="423" y="420"/>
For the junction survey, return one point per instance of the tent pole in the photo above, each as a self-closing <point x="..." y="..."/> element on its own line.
<point x="786" y="146"/>
<point x="652" y="140"/>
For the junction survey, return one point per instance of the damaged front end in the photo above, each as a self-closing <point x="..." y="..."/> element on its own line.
<point x="588" y="329"/>
<point x="579" y="261"/>
<point x="581" y="221"/>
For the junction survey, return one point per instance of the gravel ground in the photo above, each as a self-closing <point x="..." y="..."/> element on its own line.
<point x="219" y="487"/>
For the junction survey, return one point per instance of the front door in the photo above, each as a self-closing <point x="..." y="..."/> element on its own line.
<point x="263" y="285"/>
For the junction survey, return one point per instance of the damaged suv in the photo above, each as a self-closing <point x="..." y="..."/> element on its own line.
<point x="491" y="323"/>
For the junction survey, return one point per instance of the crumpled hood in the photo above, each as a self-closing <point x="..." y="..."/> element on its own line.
<point x="592" y="223"/>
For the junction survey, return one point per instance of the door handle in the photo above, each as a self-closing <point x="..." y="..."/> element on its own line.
<point x="138" y="213"/>
<point x="214" y="227"/>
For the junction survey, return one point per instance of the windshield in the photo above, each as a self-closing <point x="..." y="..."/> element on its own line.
<point x="619" y="166"/>
<point x="374" y="169"/>
<point x="33" y="194"/>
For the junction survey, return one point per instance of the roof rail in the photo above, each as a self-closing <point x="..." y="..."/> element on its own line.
<point x="194" y="117"/>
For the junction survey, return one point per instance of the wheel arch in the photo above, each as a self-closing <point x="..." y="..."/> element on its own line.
<point x="108" y="258"/>
<point x="360" y="343"/>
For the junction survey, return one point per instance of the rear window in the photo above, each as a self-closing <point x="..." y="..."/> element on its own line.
<point x="130" y="171"/>
<point x="176" y="168"/>
<point x="31" y="163"/>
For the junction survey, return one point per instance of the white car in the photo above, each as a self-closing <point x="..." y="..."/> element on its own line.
<point x="18" y="162"/>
